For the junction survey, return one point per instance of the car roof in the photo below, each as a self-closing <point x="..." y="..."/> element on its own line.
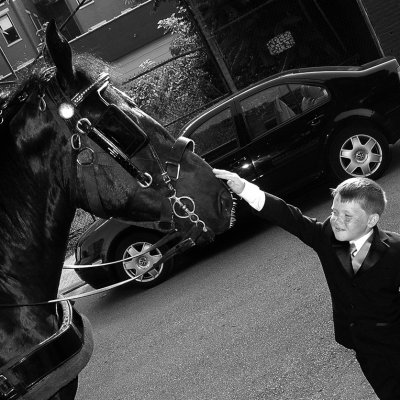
<point x="309" y="73"/>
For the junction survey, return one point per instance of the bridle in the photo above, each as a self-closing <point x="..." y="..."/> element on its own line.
<point x="173" y="206"/>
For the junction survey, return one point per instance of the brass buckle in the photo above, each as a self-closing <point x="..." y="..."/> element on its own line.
<point x="176" y="167"/>
<point x="6" y="388"/>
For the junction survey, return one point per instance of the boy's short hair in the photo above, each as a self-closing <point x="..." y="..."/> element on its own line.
<point x="365" y="191"/>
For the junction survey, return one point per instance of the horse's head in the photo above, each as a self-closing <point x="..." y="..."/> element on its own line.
<point x="123" y="163"/>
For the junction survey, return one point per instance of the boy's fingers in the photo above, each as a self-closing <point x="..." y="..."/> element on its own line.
<point x="223" y="174"/>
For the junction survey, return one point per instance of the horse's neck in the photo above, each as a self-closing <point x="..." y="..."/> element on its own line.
<point x="34" y="236"/>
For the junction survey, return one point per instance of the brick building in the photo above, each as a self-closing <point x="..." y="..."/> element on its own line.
<point x="108" y="29"/>
<point x="115" y="31"/>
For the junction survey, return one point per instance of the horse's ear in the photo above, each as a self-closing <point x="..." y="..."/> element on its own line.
<point x="59" y="51"/>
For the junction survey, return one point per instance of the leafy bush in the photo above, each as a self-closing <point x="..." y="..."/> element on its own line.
<point x="184" y="84"/>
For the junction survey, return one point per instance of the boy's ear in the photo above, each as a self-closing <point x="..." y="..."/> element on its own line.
<point x="373" y="220"/>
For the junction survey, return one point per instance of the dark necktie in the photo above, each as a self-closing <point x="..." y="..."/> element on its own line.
<point x="353" y="250"/>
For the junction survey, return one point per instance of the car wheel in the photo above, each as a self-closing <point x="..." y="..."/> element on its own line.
<point x="134" y="244"/>
<point x="358" y="151"/>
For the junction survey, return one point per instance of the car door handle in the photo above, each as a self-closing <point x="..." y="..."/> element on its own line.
<point x="316" y="120"/>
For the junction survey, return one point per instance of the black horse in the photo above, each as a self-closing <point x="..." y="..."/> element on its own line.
<point x="70" y="139"/>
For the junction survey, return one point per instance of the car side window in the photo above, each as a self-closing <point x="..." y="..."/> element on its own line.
<point x="217" y="134"/>
<point x="309" y="96"/>
<point x="269" y="108"/>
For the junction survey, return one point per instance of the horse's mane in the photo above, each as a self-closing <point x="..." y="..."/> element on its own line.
<point x="34" y="74"/>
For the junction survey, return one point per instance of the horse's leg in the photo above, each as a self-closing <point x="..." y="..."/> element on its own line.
<point x="67" y="392"/>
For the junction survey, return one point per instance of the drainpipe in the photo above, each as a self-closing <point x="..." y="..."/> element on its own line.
<point x="370" y="27"/>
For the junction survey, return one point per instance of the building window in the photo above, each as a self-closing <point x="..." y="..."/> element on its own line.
<point x="8" y="30"/>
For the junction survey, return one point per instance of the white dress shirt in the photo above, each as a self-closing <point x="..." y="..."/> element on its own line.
<point x="253" y="195"/>
<point x="360" y="241"/>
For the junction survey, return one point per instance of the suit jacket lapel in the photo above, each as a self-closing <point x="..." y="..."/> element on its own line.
<point x="378" y="247"/>
<point x="342" y="250"/>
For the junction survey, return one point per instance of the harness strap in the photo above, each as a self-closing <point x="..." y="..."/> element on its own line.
<point x="173" y="165"/>
<point x="189" y="241"/>
<point x="166" y="221"/>
<point x="19" y="376"/>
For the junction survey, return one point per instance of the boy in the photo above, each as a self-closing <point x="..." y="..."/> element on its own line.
<point x="361" y="264"/>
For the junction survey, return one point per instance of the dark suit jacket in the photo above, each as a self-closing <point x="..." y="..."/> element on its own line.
<point x="366" y="306"/>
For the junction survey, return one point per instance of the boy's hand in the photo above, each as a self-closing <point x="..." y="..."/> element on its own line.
<point x="234" y="181"/>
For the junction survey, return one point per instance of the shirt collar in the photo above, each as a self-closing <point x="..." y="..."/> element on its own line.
<point x="360" y="241"/>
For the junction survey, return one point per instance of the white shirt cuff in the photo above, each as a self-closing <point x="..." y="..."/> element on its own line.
<point x="253" y="195"/>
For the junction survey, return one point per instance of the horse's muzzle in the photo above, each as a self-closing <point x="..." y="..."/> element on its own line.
<point x="226" y="206"/>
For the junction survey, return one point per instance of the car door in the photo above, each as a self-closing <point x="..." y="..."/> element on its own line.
<point x="284" y="134"/>
<point x="218" y="141"/>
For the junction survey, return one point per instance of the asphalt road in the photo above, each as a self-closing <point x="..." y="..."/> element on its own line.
<point x="248" y="319"/>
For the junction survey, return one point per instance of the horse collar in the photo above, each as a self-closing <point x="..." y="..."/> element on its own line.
<point x="71" y="346"/>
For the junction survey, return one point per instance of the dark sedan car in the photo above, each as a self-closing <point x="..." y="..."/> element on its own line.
<point x="279" y="133"/>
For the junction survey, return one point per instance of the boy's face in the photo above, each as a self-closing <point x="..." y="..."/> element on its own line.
<point x="349" y="221"/>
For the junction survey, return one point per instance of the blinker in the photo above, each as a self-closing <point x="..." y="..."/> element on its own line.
<point x="66" y="110"/>
<point x="121" y="131"/>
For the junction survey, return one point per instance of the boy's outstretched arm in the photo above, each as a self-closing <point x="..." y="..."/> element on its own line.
<point x="273" y="208"/>
<point x="246" y="190"/>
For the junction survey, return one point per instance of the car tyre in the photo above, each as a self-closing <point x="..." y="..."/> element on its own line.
<point x="359" y="150"/>
<point x="134" y="244"/>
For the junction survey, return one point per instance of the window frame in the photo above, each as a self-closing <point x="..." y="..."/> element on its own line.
<point x="5" y="13"/>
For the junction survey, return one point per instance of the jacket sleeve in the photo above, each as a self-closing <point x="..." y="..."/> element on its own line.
<point x="290" y="218"/>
